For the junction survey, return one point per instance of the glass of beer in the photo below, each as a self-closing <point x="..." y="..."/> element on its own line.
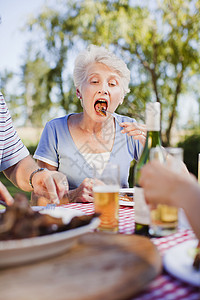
<point x="164" y="218"/>
<point x="106" y="196"/>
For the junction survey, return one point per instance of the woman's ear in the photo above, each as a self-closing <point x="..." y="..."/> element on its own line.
<point x="78" y="94"/>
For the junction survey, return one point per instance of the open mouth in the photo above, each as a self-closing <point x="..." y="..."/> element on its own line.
<point x="101" y="106"/>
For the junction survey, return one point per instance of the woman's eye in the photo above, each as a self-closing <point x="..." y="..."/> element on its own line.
<point x="94" y="81"/>
<point x="112" y="83"/>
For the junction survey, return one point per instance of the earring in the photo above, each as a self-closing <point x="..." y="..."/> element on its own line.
<point x="81" y="100"/>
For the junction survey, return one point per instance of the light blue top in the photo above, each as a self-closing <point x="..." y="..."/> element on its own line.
<point x="57" y="148"/>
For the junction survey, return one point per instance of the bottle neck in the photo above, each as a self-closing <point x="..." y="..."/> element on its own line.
<point x="153" y="139"/>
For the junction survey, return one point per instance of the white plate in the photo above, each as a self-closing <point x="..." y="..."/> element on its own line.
<point x="126" y="191"/>
<point x="15" y="252"/>
<point x="178" y="262"/>
<point x="126" y="203"/>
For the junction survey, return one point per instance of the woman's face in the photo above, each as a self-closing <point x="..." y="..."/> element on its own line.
<point x="102" y="87"/>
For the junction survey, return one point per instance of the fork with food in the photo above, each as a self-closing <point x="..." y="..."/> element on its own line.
<point x="137" y="131"/>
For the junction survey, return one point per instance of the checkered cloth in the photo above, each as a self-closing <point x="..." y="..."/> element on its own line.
<point x="164" y="287"/>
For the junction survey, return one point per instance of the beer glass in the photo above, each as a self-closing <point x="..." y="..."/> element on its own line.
<point x="106" y="196"/>
<point x="177" y="166"/>
<point x="164" y="218"/>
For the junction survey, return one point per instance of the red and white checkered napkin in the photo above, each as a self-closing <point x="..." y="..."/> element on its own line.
<point x="165" y="243"/>
<point x="126" y="215"/>
<point x="166" y="287"/>
<point x="87" y="208"/>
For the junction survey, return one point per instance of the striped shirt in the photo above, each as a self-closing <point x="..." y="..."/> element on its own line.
<point x="12" y="150"/>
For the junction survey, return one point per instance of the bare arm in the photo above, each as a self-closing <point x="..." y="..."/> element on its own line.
<point x="20" y="173"/>
<point x="50" y="184"/>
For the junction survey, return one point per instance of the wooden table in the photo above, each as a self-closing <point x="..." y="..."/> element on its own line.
<point x="101" y="266"/>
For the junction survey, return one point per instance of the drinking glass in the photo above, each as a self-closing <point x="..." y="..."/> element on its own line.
<point x="106" y="196"/>
<point x="164" y="218"/>
<point x="177" y="166"/>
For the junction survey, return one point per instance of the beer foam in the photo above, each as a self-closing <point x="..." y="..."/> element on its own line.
<point x="106" y="189"/>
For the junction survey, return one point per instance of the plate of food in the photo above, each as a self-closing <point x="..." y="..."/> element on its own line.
<point x="126" y="196"/>
<point x="179" y="262"/>
<point x="28" y="234"/>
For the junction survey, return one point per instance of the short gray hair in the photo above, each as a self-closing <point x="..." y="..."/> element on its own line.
<point x="99" y="54"/>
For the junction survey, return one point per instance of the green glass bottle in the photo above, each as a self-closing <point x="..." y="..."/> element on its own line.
<point x="153" y="139"/>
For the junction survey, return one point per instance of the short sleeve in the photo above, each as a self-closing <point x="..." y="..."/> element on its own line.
<point x="47" y="147"/>
<point x="12" y="150"/>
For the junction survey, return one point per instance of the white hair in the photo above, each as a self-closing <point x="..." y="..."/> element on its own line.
<point x="96" y="54"/>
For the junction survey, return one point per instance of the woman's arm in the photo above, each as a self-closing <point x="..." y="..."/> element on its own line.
<point x="50" y="184"/>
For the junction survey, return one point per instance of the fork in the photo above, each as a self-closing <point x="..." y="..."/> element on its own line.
<point x="50" y="206"/>
<point x="112" y="114"/>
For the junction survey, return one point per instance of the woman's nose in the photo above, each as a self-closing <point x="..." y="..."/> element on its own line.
<point x="103" y="92"/>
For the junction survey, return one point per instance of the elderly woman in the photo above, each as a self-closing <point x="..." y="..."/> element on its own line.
<point x="76" y="143"/>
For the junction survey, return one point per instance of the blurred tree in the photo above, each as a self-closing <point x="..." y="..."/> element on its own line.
<point x="191" y="147"/>
<point x="158" y="40"/>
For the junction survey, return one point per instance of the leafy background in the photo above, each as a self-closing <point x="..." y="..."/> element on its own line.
<point x="159" y="42"/>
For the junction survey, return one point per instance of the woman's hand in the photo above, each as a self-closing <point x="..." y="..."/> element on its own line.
<point x="83" y="193"/>
<point x="52" y="185"/>
<point x="137" y="131"/>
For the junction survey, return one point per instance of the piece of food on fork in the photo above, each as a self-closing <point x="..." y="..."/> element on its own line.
<point x="101" y="106"/>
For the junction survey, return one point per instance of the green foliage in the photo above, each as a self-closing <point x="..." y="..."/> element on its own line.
<point x="32" y="149"/>
<point x="191" y="147"/>
<point x="158" y="41"/>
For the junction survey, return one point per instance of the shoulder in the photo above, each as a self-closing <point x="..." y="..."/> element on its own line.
<point x="2" y="101"/>
<point x="59" y="121"/>
<point x="123" y="118"/>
